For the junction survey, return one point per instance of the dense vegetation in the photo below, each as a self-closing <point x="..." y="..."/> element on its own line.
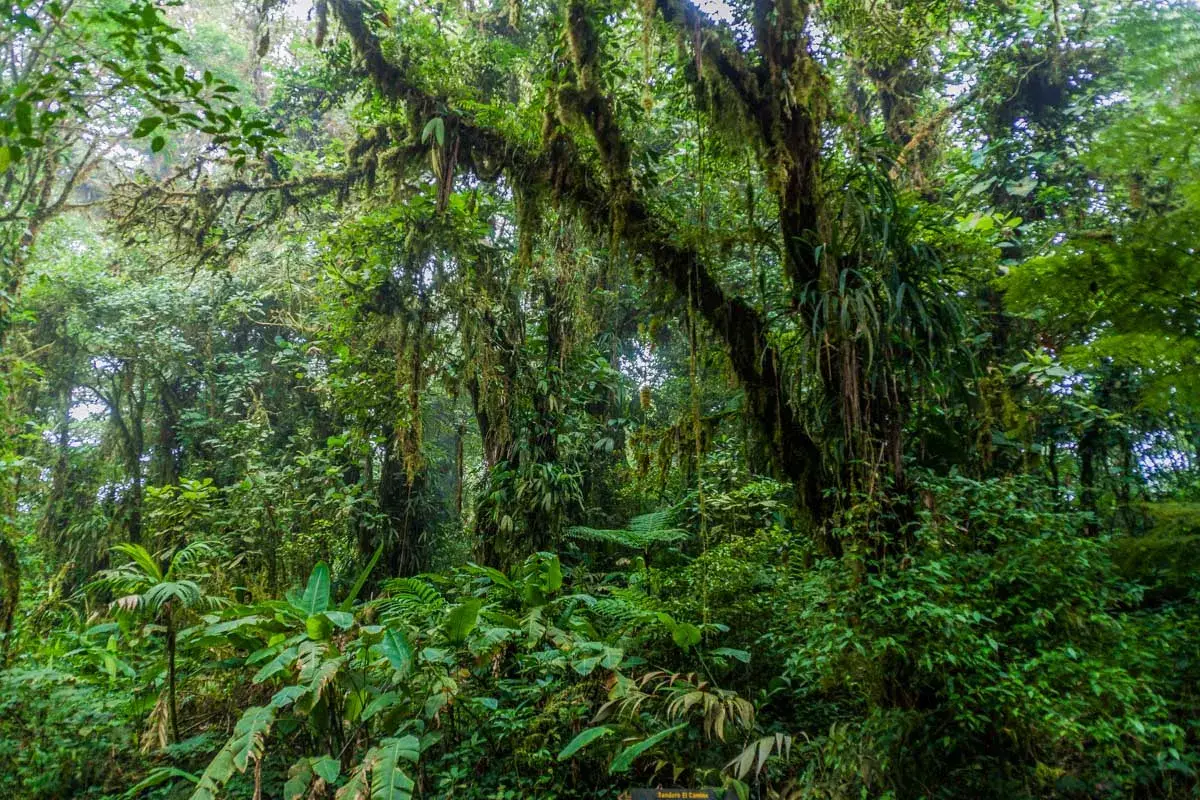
<point x="503" y="399"/>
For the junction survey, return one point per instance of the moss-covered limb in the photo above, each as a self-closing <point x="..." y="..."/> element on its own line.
<point x="589" y="100"/>
<point x="716" y="51"/>
<point x="784" y="100"/>
<point x="205" y="219"/>
<point x="755" y="360"/>
<point x="10" y="592"/>
<point x="922" y="132"/>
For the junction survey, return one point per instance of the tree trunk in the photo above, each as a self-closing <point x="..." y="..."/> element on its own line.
<point x="1090" y="445"/>
<point x="10" y="593"/>
<point x="172" y="708"/>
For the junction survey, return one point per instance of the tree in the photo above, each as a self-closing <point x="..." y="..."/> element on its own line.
<point x="166" y="596"/>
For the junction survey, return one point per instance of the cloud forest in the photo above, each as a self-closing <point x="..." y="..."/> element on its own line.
<point x="599" y="399"/>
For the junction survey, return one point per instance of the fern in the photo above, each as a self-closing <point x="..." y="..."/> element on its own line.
<point x="625" y="608"/>
<point x="644" y="531"/>
<point x="410" y="599"/>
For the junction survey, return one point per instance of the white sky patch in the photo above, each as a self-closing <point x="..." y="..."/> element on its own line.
<point x="717" y="9"/>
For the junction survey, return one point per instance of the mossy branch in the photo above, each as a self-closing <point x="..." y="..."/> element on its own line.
<point x="755" y="360"/>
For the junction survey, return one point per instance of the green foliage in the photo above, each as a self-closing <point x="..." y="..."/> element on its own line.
<point x="244" y="747"/>
<point x="502" y="400"/>
<point x="644" y="532"/>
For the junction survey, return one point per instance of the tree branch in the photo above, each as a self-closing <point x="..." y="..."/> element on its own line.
<point x="754" y="359"/>
<point x="728" y="62"/>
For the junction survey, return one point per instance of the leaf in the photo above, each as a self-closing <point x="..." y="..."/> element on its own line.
<point x="1022" y="187"/>
<point x="685" y="635"/>
<point x="980" y="187"/>
<point x="244" y="746"/>
<point x="142" y="558"/>
<point x="146" y="126"/>
<point x="388" y="780"/>
<point x="318" y="628"/>
<point x="437" y="127"/>
<point x="276" y="665"/>
<point x="434" y="704"/>
<point x="583" y="740"/>
<point x="157" y="777"/>
<point x="626" y="757"/>
<point x="342" y="619"/>
<point x="381" y="703"/>
<point x="222" y="628"/>
<point x="361" y="580"/>
<point x="462" y="620"/>
<point x="397" y="650"/>
<point x="754" y="756"/>
<point x="553" y="574"/>
<point x="300" y="777"/>
<point x="324" y="675"/>
<point x="316" y="595"/>
<point x="24" y="115"/>
<point x="584" y="666"/>
<point x="327" y="767"/>
<point x="286" y="696"/>
<point x="157" y="143"/>
<point x="741" y="655"/>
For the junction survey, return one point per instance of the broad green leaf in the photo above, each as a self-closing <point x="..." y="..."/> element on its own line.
<point x="221" y="628"/>
<point x="300" y="778"/>
<point x="685" y="635"/>
<point x="740" y="655"/>
<point x="24" y="116"/>
<point x="146" y="126"/>
<point x="388" y="780"/>
<point x="437" y="128"/>
<point x="327" y="767"/>
<point x="626" y="757"/>
<point x="318" y="627"/>
<point x="382" y="703"/>
<point x="342" y="619"/>
<point x="316" y="595"/>
<point x="397" y="650"/>
<point x="276" y="665"/>
<point x="553" y="575"/>
<point x="245" y="746"/>
<point x="287" y="695"/>
<point x="584" y="666"/>
<point x="462" y="620"/>
<point x="583" y="740"/>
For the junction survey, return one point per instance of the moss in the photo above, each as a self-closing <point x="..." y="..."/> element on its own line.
<point x="1172" y="519"/>
<point x="1167" y="559"/>
<point x="10" y="591"/>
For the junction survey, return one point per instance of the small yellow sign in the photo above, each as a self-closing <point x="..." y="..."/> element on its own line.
<point x="675" y="794"/>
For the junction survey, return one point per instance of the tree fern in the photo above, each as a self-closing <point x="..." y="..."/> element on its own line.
<point x="643" y="532"/>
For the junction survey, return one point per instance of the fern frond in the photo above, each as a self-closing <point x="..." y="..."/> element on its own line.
<point x="410" y="599"/>
<point x="643" y="531"/>
<point x="627" y="537"/>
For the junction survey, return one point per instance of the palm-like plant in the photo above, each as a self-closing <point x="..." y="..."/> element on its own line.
<point x="142" y="585"/>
